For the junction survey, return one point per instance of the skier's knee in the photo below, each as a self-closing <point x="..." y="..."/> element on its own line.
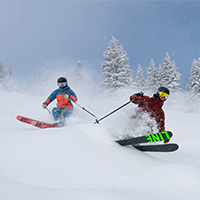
<point x="56" y="113"/>
<point x="67" y="112"/>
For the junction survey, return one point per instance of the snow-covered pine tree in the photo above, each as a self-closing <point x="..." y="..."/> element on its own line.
<point x="188" y="93"/>
<point x="194" y="85"/>
<point x="140" y="81"/>
<point x="159" y="82"/>
<point x="115" y="68"/>
<point x="78" y="78"/>
<point x="188" y="88"/>
<point x="36" y="88"/>
<point x="2" y="74"/>
<point x="174" y="79"/>
<point x="44" y="82"/>
<point x="152" y="79"/>
<point x="171" y="77"/>
<point x="7" y="79"/>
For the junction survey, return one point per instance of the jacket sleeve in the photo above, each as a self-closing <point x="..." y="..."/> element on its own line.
<point x="51" y="97"/>
<point x="140" y="100"/>
<point x="73" y="96"/>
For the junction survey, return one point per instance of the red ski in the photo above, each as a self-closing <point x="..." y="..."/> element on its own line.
<point x="35" y="123"/>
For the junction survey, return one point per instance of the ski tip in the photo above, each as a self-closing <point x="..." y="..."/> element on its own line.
<point x="176" y="146"/>
<point x="18" y="117"/>
<point x="170" y="133"/>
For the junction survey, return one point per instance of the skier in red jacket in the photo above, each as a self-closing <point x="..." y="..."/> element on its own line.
<point x="153" y="106"/>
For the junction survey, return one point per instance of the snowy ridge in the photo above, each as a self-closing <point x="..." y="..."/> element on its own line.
<point x="82" y="161"/>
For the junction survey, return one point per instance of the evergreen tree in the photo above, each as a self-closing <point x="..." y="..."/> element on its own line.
<point x="152" y="80"/>
<point x="115" y="68"/>
<point x="174" y="79"/>
<point x="36" y="89"/>
<point x="78" y="78"/>
<point x="140" y="81"/>
<point x="7" y="79"/>
<point x="188" y="88"/>
<point x="170" y="76"/>
<point x="2" y="74"/>
<point x="44" y="82"/>
<point x="160" y="77"/>
<point x="188" y="91"/>
<point x="194" y="85"/>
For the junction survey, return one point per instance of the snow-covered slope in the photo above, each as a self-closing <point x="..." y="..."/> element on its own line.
<point x="82" y="161"/>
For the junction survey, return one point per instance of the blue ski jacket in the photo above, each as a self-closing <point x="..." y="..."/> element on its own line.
<point x="63" y="100"/>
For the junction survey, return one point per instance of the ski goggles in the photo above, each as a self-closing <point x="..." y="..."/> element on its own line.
<point x="63" y="84"/>
<point x="163" y="94"/>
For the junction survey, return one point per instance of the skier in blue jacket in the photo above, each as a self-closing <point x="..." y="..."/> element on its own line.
<point x="64" y="96"/>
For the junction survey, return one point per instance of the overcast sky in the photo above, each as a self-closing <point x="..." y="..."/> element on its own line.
<point x="34" y="34"/>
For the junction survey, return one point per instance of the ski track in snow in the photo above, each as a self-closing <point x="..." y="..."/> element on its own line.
<point x="82" y="161"/>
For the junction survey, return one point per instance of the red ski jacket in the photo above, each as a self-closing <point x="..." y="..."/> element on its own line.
<point x="60" y="95"/>
<point x="153" y="106"/>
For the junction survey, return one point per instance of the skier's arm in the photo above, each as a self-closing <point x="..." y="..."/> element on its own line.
<point x="49" y="99"/>
<point x="137" y="98"/>
<point x="75" y="99"/>
<point x="73" y="96"/>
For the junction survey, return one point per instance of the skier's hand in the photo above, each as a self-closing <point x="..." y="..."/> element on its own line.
<point x="136" y="96"/>
<point x="44" y="105"/>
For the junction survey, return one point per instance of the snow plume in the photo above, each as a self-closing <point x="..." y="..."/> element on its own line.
<point x="91" y="98"/>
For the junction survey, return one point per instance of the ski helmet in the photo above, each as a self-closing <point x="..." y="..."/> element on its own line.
<point x="163" y="92"/>
<point x="62" y="82"/>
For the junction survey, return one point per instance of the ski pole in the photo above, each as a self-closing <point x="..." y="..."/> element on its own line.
<point x="48" y="111"/>
<point x="113" y="112"/>
<point x="86" y="111"/>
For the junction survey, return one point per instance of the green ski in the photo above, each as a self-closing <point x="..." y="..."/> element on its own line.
<point x="155" y="137"/>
